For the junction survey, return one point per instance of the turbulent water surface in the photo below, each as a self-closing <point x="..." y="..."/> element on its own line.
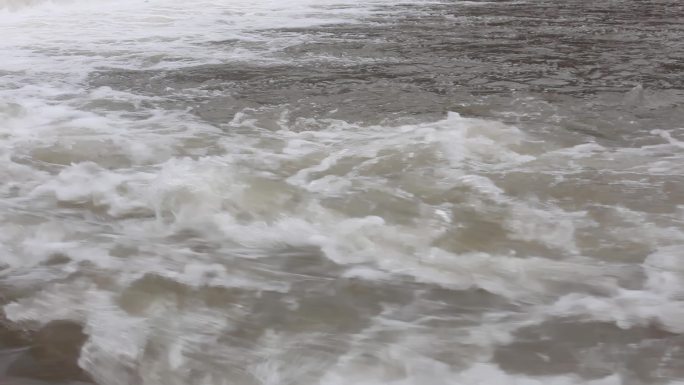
<point x="341" y="192"/>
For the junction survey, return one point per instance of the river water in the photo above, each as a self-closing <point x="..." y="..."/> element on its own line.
<point x="342" y="192"/>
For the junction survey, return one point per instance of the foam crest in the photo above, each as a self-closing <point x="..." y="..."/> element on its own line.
<point x="267" y="192"/>
<point x="658" y="304"/>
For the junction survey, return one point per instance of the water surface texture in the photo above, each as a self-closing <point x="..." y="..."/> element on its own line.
<point x="367" y="192"/>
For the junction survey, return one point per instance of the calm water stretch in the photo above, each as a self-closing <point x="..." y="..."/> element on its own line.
<point x="341" y="192"/>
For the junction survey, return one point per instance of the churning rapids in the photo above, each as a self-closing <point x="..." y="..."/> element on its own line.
<point x="336" y="192"/>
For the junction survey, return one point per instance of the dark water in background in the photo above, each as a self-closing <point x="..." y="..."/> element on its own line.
<point x="342" y="192"/>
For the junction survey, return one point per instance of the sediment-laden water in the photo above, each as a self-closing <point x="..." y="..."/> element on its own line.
<point x="342" y="192"/>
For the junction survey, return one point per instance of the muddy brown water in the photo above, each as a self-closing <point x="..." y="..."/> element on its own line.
<point x="444" y="192"/>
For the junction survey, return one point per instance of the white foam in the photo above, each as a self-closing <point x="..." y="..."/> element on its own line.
<point x="265" y="189"/>
<point x="75" y="37"/>
<point x="660" y="303"/>
<point x="424" y="371"/>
